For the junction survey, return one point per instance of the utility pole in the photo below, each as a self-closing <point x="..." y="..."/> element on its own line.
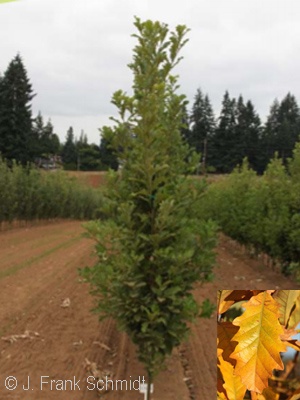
<point x="204" y="156"/>
<point x="78" y="160"/>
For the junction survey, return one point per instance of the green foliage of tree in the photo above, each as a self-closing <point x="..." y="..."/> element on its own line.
<point x="153" y="245"/>
<point x="29" y="194"/>
<point x="202" y="121"/>
<point x="16" y="93"/>
<point x="46" y="143"/>
<point x="90" y="158"/>
<point x="248" y="133"/>
<point x="69" y="151"/>
<point x="281" y="130"/>
<point x="261" y="212"/>
<point x="108" y="157"/>
<point x="238" y="135"/>
<point x="223" y="153"/>
<point x="185" y="128"/>
<point x="88" y="155"/>
<point x="37" y="133"/>
<point x="50" y="143"/>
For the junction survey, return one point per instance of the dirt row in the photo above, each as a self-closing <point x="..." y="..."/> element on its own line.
<point x="48" y="332"/>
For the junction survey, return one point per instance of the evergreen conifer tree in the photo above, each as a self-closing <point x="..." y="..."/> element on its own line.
<point x="16" y="93"/>
<point x="202" y="122"/>
<point x="45" y="142"/>
<point x="281" y="131"/>
<point x="108" y="156"/>
<point x="37" y="133"/>
<point x="69" y="152"/>
<point x="90" y="158"/>
<point x="248" y="132"/>
<point x="51" y="140"/>
<point x="289" y="128"/>
<point x="224" y="149"/>
<point x="268" y="141"/>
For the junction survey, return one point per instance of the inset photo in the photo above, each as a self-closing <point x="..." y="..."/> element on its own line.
<point x="258" y="344"/>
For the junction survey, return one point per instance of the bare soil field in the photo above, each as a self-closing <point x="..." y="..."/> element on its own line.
<point x="90" y="178"/>
<point x="47" y="331"/>
<point x="97" y="178"/>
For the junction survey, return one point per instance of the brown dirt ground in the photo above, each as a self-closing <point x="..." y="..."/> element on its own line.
<point x="90" y="178"/>
<point x="97" y="178"/>
<point x="38" y="271"/>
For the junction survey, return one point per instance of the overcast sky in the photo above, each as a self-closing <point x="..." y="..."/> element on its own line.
<point x="76" y="52"/>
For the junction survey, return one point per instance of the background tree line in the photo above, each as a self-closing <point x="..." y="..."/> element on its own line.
<point x="238" y="132"/>
<point x="221" y="142"/>
<point x="28" y="139"/>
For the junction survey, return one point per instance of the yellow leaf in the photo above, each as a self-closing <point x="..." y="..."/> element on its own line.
<point x="233" y="385"/>
<point x="295" y="315"/>
<point x="294" y="344"/>
<point x="221" y="396"/>
<point x="286" y="300"/>
<point x="220" y="382"/>
<point x="268" y="394"/>
<point x="228" y="297"/>
<point x="222" y="304"/>
<point x="258" y="350"/>
<point x="288" y="340"/>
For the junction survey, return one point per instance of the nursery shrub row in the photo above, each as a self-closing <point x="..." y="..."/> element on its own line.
<point x="30" y="194"/>
<point x="262" y="212"/>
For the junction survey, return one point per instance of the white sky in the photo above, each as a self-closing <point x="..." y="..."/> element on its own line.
<point x="76" y="52"/>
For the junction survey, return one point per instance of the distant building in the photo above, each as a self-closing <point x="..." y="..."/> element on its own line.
<point x="49" y="163"/>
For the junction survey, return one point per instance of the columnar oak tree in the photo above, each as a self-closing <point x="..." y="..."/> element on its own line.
<point x="152" y="246"/>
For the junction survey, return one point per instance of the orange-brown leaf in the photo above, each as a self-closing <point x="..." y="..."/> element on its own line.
<point x="286" y="300"/>
<point x="293" y="343"/>
<point x="288" y="334"/>
<point x="295" y="315"/>
<point x="222" y="304"/>
<point x="258" y="350"/>
<point x="268" y="394"/>
<point x="219" y="350"/>
<point x="233" y="385"/>
<point x="295" y="395"/>
<point x="226" y="331"/>
<point x="229" y="297"/>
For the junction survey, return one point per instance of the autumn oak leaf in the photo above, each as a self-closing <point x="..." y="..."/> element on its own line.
<point x="287" y="301"/>
<point x="235" y="389"/>
<point x="258" y="350"/>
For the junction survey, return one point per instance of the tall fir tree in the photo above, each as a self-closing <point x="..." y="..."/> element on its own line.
<point x="202" y="124"/>
<point x="248" y="132"/>
<point x="289" y="126"/>
<point x="90" y="158"/>
<point x="223" y="148"/>
<point x="69" y="152"/>
<point x="50" y="140"/>
<point x="16" y="94"/>
<point x="37" y="133"/>
<point x="80" y="145"/>
<point x="281" y="131"/>
<point x="108" y="156"/>
<point x="270" y="128"/>
<point x="46" y="143"/>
